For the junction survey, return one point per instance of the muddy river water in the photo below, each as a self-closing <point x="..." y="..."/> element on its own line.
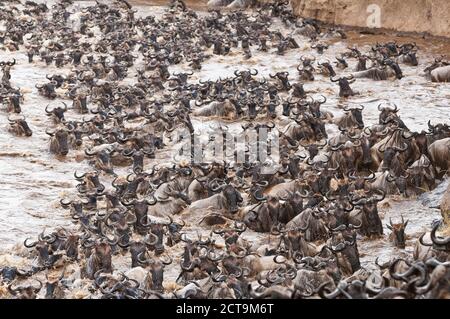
<point x="32" y="181"/>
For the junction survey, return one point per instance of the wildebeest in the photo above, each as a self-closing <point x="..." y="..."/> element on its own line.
<point x="344" y="86"/>
<point x="57" y="113"/>
<point x="381" y="73"/>
<point x="306" y="73"/>
<point x="390" y="183"/>
<point x="352" y="118"/>
<point x="441" y="74"/>
<point x="227" y="200"/>
<point x="47" y="89"/>
<point x="409" y="58"/>
<point x="12" y="100"/>
<point x="19" y="127"/>
<point x="327" y="69"/>
<point x="440" y="154"/>
<point x="308" y="211"/>
<point x="46" y="256"/>
<point x="221" y="108"/>
<point x="421" y="175"/>
<point x="59" y="141"/>
<point x="99" y="257"/>
<point x="398" y="236"/>
<point x="369" y="218"/>
<point x="26" y="291"/>
<point x="155" y="276"/>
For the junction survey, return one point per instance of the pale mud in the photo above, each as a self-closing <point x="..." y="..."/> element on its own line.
<point x="32" y="181"/>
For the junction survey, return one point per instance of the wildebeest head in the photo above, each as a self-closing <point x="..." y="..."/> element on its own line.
<point x="392" y="47"/>
<point x="283" y="79"/>
<point x="14" y="102"/>
<point x="48" y="89"/>
<point x="398" y="233"/>
<point x="307" y="61"/>
<point x="359" y="182"/>
<point x="401" y="182"/>
<point x="346" y="250"/>
<point x="411" y="58"/>
<point x="138" y="159"/>
<point x="57" y="112"/>
<point x="314" y="107"/>
<point x="245" y="76"/>
<point x="174" y="232"/>
<point x="42" y="246"/>
<point x="140" y="209"/>
<point x="320" y="47"/>
<point x="76" y="56"/>
<point x="439" y="131"/>
<point x="231" y="235"/>
<point x="390" y="153"/>
<point x="341" y="63"/>
<point x="365" y="148"/>
<point x="71" y="246"/>
<point x="271" y="109"/>
<point x="421" y="140"/>
<point x="233" y="197"/>
<point x="420" y="174"/>
<point x="155" y="277"/>
<point x="344" y="86"/>
<point x="394" y="66"/>
<point x="102" y="160"/>
<point x="306" y="73"/>
<point x="348" y="151"/>
<point x="252" y="112"/>
<point x="387" y="114"/>
<point x="318" y="127"/>
<point x="298" y="91"/>
<point x="291" y="208"/>
<point x="77" y="133"/>
<point x="327" y="65"/>
<point x="356" y="114"/>
<point x="102" y="257"/>
<point x="136" y="249"/>
<point x="59" y="142"/>
<point x="59" y="79"/>
<point x="20" y="127"/>
<point x="158" y="230"/>
<point x="89" y="181"/>
<point x="79" y="100"/>
<point x="371" y="222"/>
<point x="313" y="149"/>
<point x="293" y="238"/>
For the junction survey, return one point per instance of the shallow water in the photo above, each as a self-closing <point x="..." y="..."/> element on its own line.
<point x="32" y="181"/>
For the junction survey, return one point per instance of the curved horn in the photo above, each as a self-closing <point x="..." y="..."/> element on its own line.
<point x="438" y="240"/>
<point x="29" y="245"/>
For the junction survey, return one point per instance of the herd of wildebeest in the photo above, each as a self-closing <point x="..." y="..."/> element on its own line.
<point x="322" y="200"/>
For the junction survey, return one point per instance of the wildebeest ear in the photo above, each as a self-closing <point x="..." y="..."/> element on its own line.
<point x="389" y="226"/>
